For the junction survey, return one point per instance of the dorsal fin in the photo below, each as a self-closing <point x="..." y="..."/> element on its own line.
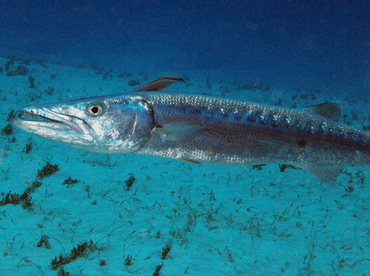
<point x="328" y="110"/>
<point x="158" y="84"/>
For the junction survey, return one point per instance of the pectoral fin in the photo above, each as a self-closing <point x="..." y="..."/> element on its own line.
<point x="177" y="132"/>
<point x="191" y="161"/>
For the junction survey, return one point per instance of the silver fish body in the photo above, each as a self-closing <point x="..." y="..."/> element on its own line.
<point x="200" y="128"/>
<point x="226" y="131"/>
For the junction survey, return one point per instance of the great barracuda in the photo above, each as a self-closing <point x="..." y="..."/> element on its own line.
<point x="200" y="128"/>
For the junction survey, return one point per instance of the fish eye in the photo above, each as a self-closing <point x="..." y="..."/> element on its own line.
<point x="95" y="109"/>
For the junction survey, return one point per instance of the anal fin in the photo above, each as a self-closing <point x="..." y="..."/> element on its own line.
<point x="325" y="174"/>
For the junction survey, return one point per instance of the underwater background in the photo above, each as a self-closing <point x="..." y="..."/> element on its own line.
<point x="64" y="211"/>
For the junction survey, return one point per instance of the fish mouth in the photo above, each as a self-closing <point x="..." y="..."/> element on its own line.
<point x="38" y="120"/>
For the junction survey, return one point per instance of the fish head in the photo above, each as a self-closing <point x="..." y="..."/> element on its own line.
<point x="109" y="124"/>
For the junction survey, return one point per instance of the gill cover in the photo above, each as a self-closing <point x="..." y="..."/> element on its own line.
<point x="120" y="125"/>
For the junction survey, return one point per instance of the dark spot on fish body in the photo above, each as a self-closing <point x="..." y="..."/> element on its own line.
<point x="220" y="114"/>
<point x="192" y="110"/>
<point x="340" y="135"/>
<point x="275" y="120"/>
<point x="350" y="137"/>
<point x="224" y="114"/>
<point x="330" y="135"/>
<point x="257" y="115"/>
<point x="251" y="117"/>
<point x="211" y="112"/>
<point x="302" y="143"/>
<point x="289" y="123"/>
<point x="359" y="139"/>
<point x="319" y="130"/>
<point x="308" y="127"/>
<point x="263" y="120"/>
<point x="237" y="116"/>
<point x="298" y="125"/>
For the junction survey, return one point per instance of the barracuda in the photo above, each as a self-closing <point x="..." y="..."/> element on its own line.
<point x="199" y="128"/>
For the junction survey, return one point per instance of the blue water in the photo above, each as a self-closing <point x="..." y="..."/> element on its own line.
<point x="322" y="45"/>
<point x="218" y="220"/>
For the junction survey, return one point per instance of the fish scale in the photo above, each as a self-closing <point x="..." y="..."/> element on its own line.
<point x="297" y="122"/>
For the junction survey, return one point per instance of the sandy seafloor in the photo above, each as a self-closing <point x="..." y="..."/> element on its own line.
<point x="219" y="220"/>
